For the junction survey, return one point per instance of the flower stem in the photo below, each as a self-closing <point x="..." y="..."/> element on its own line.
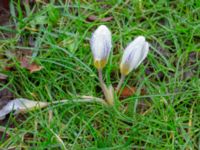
<point x="120" y="83"/>
<point x="108" y="92"/>
<point x="102" y="84"/>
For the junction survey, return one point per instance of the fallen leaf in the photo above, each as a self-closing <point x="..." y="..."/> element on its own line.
<point x="127" y="91"/>
<point x="106" y="19"/>
<point x="32" y="67"/>
<point x="24" y="57"/>
<point x="93" y="18"/>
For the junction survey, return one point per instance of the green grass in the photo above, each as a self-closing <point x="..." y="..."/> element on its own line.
<point x="62" y="47"/>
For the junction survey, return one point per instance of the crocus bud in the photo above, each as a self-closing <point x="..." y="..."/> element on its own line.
<point x="133" y="55"/>
<point x="101" y="44"/>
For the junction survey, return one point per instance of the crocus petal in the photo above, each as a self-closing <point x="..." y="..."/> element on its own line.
<point x="132" y="51"/>
<point x="145" y="51"/>
<point x="134" y="54"/>
<point x="101" y="44"/>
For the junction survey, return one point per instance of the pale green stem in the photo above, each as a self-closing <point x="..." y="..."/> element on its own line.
<point x="102" y="84"/>
<point x="120" y="83"/>
<point x="108" y="92"/>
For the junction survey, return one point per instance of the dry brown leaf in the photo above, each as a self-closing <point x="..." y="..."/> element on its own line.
<point x="127" y="91"/>
<point x="91" y="18"/>
<point x="32" y="67"/>
<point x="106" y="19"/>
<point x="94" y="18"/>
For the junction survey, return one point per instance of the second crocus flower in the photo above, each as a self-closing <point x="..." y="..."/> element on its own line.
<point x="133" y="55"/>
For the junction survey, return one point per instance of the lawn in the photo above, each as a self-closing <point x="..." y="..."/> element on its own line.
<point x="159" y="106"/>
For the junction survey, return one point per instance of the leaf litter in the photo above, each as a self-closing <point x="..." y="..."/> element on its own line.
<point x="93" y="18"/>
<point x="32" y="67"/>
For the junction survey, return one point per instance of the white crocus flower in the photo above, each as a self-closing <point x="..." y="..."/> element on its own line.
<point x="134" y="54"/>
<point x="101" y="44"/>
